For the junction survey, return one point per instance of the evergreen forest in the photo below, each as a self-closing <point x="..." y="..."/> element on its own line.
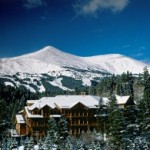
<point x="118" y="128"/>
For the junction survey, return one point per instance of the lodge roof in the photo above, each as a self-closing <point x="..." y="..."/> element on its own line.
<point x="20" y="119"/>
<point x="32" y="115"/>
<point x="122" y="99"/>
<point x="66" y="101"/>
<point x="69" y="101"/>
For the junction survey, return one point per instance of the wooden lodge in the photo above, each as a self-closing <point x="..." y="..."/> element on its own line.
<point x="79" y="111"/>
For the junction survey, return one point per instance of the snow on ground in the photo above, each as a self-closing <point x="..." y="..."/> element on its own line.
<point x="30" y="88"/>
<point x="36" y="147"/>
<point x="50" y="59"/>
<point x="57" y="82"/>
<point x="86" y="82"/>
<point x="9" y="83"/>
<point x="41" y="88"/>
<point x="117" y="64"/>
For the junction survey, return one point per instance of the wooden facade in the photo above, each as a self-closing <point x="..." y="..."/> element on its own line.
<point x="79" y="112"/>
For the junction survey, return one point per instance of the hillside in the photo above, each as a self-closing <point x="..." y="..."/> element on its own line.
<point x="50" y="68"/>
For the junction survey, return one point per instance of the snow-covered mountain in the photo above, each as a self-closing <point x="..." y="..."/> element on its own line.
<point x="43" y="61"/>
<point x="117" y="64"/>
<point x="52" y="67"/>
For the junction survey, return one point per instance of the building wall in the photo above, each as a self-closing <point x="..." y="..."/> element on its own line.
<point x="21" y="129"/>
<point x="79" y="118"/>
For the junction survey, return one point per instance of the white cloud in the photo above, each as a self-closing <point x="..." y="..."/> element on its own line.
<point x="34" y="3"/>
<point x="91" y="7"/>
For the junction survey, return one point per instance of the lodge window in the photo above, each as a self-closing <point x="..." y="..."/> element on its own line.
<point x="74" y="122"/>
<point x="78" y="121"/>
<point x="74" y="114"/>
<point x="82" y="122"/>
<point x="66" y="112"/>
<point x="74" y="131"/>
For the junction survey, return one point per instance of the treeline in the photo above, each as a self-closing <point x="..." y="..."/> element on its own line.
<point x="117" y="123"/>
<point x="124" y="84"/>
<point x="13" y="99"/>
<point x="129" y="127"/>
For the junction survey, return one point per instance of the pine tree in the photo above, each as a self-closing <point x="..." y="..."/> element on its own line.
<point x="62" y="129"/>
<point x="40" y="144"/>
<point x="52" y="129"/>
<point x="117" y="127"/>
<point x="133" y="129"/>
<point x="26" y="142"/>
<point x="69" y="145"/>
<point x="13" y="144"/>
<point x="102" y="116"/>
<point x="31" y="144"/>
<point x="130" y="84"/>
<point x="80" y="145"/>
<point x="9" y="143"/>
<point x="48" y="144"/>
<point x="146" y="103"/>
<point x="116" y="123"/>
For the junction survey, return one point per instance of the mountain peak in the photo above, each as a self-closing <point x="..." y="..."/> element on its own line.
<point x="48" y="49"/>
<point x="52" y="59"/>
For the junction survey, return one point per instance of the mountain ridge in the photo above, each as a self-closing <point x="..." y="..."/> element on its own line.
<point x="50" y="68"/>
<point x="55" y="60"/>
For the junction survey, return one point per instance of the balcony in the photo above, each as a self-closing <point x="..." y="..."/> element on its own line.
<point x="77" y="124"/>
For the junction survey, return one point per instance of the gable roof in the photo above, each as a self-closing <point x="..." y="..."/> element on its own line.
<point x="49" y="101"/>
<point x="32" y="115"/>
<point x="122" y="99"/>
<point x="65" y="101"/>
<point x="69" y="101"/>
<point x="20" y="119"/>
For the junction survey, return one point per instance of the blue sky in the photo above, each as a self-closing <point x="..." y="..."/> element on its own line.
<point x="80" y="27"/>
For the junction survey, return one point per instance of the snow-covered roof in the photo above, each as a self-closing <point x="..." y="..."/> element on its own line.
<point x="31" y="101"/>
<point x="32" y="115"/>
<point x="49" y="101"/>
<point x="20" y="119"/>
<point x="122" y="99"/>
<point x="13" y="133"/>
<point x="105" y="100"/>
<point x="55" y="115"/>
<point x="69" y="101"/>
<point x="66" y="101"/>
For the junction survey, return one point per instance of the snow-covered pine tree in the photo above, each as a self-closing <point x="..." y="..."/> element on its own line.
<point x="40" y="144"/>
<point x="116" y="123"/>
<point x="80" y="145"/>
<point x="13" y="144"/>
<point x="69" y="145"/>
<point x="146" y="99"/>
<point x="9" y="143"/>
<point x="4" y="144"/>
<point x="133" y="131"/>
<point x="102" y="116"/>
<point x="30" y="144"/>
<point x="117" y="129"/>
<point x="52" y="130"/>
<point x="26" y="142"/>
<point x="62" y="129"/>
<point x="48" y="144"/>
